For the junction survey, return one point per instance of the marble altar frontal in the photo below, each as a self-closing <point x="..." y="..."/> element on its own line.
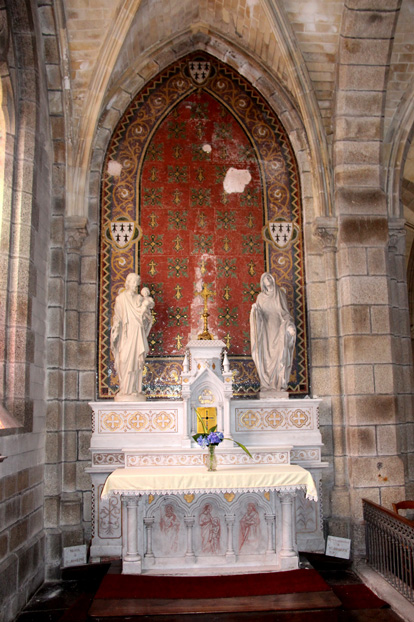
<point x="200" y="531"/>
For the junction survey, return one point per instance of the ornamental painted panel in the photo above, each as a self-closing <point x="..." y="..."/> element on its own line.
<point x="273" y="419"/>
<point x="200" y="185"/>
<point x="109" y="516"/>
<point x="145" y="421"/>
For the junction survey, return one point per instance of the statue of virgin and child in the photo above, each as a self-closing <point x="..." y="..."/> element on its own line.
<point x="272" y="338"/>
<point x="272" y="335"/>
<point x="131" y="325"/>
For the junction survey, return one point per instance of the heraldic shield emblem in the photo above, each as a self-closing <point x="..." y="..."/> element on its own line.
<point x="281" y="233"/>
<point x="122" y="233"/>
<point x="199" y="70"/>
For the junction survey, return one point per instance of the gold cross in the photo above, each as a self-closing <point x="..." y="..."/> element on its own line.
<point x="205" y="294"/>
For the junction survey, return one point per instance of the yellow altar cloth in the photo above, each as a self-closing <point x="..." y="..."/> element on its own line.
<point x="186" y="480"/>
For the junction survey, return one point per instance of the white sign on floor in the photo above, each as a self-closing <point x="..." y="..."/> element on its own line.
<point x="74" y="555"/>
<point x="338" y="547"/>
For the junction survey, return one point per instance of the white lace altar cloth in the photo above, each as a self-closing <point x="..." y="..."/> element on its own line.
<point x="183" y="480"/>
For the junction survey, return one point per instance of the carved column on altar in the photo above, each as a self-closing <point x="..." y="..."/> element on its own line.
<point x="230" y="520"/>
<point x="270" y="520"/>
<point x="287" y="550"/>
<point x="189" y="524"/>
<point x="132" y="558"/>
<point x="149" y="523"/>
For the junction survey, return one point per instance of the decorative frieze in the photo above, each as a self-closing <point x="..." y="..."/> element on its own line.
<point x="198" y="458"/>
<point x="154" y="460"/>
<point x="110" y="458"/>
<point x="312" y="454"/>
<point x="143" y="421"/>
<point x="273" y="419"/>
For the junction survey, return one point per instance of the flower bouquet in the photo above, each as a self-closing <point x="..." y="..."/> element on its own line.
<point x="211" y="438"/>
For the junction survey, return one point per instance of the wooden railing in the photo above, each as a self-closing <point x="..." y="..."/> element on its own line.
<point x="390" y="547"/>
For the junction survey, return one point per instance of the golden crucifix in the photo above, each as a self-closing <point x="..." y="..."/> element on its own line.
<point x="205" y="294"/>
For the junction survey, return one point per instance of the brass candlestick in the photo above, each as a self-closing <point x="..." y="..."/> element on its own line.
<point x="205" y="294"/>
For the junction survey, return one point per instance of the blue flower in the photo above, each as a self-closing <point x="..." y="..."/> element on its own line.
<point x="214" y="438"/>
<point x="202" y="441"/>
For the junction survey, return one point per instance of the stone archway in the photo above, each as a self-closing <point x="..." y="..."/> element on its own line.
<point x="245" y="133"/>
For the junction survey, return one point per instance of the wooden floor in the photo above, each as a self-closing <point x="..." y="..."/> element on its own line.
<point x="72" y="600"/>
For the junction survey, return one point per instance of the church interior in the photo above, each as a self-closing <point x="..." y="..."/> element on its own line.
<point x="200" y="144"/>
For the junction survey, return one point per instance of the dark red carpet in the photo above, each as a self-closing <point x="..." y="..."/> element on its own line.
<point x="358" y="596"/>
<point x="116" y="586"/>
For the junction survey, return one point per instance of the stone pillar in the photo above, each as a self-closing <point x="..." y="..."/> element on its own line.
<point x="230" y="554"/>
<point x="326" y="231"/>
<point x="270" y="519"/>
<point x="131" y="563"/>
<point x="189" y="523"/>
<point x="402" y="353"/>
<point x="71" y="497"/>
<point x="370" y="408"/>
<point x="288" y="525"/>
<point x="149" y="555"/>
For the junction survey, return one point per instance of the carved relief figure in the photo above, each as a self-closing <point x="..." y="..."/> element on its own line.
<point x="170" y="526"/>
<point x="273" y="337"/>
<point x="131" y="324"/>
<point x="250" y="528"/>
<point x="210" y="531"/>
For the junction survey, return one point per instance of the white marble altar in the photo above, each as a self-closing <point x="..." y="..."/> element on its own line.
<point x="234" y="517"/>
<point x="157" y="434"/>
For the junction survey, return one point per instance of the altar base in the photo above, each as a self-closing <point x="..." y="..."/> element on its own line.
<point x="242" y="520"/>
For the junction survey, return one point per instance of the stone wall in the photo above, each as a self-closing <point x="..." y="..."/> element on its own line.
<point x="25" y="258"/>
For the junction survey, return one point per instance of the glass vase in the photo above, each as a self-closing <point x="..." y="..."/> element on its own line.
<point x="211" y="458"/>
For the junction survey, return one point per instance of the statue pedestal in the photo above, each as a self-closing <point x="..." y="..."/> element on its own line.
<point x="273" y="395"/>
<point x="137" y="397"/>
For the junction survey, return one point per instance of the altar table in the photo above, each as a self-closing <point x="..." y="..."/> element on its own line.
<point x="279" y="484"/>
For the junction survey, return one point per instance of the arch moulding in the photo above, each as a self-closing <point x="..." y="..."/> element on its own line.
<point x="120" y="95"/>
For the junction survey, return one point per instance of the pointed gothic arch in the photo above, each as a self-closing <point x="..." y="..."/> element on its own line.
<point x="146" y="132"/>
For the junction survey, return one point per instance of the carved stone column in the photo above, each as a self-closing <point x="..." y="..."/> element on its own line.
<point x="149" y="522"/>
<point x="270" y="519"/>
<point x="230" y="553"/>
<point x="326" y="231"/>
<point x="402" y="346"/>
<point x="189" y="523"/>
<point x="132" y="559"/>
<point x="288" y="525"/>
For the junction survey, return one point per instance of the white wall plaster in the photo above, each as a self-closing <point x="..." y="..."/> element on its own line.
<point x="114" y="168"/>
<point x="236" y="181"/>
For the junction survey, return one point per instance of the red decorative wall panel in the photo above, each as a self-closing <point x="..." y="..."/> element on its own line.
<point x="167" y="214"/>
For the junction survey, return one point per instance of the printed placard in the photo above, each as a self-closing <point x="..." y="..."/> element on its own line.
<point x="74" y="555"/>
<point x="338" y="547"/>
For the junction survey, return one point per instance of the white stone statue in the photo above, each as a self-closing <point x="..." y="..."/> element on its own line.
<point x="273" y="337"/>
<point x="131" y="324"/>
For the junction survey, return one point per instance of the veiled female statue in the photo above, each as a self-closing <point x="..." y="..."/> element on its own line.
<point x="272" y="336"/>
